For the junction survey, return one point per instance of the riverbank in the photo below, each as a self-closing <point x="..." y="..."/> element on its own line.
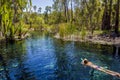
<point x="16" y="38"/>
<point x="43" y="54"/>
<point x="96" y="39"/>
<point x="22" y="37"/>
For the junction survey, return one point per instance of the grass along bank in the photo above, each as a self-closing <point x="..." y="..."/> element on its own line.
<point x="69" y="32"/>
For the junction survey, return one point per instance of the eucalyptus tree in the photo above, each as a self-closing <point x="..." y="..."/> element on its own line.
<point x="62" y="6"/>
<point x="117" y="16"/>
<point x="110" y="12"/>
<point x="65" y="8"/>
<point x="88" y="14"/>
<point x="77" y="13"/>
<point x="106" y="15"/>
<point x="71" y="11"/>
<point x="93" y="14"/>
<point x="111" y="15"/>
<point x="57" y="11"/>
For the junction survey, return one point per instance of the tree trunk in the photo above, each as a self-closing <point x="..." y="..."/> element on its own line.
<point x="15" y="12"/>
<point x="71" y="12"/>
<point x="106" y="18"/>
<point x="117" y="17"/>
<point x="65" y="11"/>
<point x="0" y="20"/>
<point x="0" y="26"/>
<point x="110" y="11"/>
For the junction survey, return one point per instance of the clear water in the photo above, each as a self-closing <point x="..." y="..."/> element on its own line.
<point x="45" y="58"/>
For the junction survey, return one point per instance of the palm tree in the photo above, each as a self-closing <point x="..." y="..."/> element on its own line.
<point x="39" y="10"/>
<point x="48" y="9"/>
<point x="35" y="8"/>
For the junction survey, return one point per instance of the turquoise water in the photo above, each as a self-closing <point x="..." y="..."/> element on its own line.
<point x="45" y="58"/>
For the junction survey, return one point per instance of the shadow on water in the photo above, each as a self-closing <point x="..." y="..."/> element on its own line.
<point x="62" y="62"/>
<point x="116" y="52"/>
<point x="11" y="61"/>
<point x="3" y="64"/>
<point x="68" y="56"/>
<point x="102" y="55"/>
<point x="42" y="57"/>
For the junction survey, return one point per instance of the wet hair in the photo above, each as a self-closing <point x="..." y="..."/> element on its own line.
<point x="85" y="61"/>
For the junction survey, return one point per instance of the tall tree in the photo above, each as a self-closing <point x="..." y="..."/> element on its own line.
<point x="47" y="11"/>
<point x="39" y="10"/>
<point x="62" y="6"/>
<point x="35" y="8"/>
<point x="71" y="11"/>
<point x="110" y="12"/>
<point x="106" y="17"/>
<point x="117" y="16"/>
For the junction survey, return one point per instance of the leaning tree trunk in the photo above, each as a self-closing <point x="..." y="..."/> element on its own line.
<point x="117" y="17"/>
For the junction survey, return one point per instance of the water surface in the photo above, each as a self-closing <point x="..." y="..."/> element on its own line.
<point x="42" y="57"/>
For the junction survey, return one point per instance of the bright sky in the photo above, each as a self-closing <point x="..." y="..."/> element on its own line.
<point x="42" y="3"/>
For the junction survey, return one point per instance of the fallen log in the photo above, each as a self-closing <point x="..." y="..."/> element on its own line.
<point x="90" y="64"/>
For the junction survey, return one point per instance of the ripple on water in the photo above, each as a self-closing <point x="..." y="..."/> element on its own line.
<point x="49" y="66"/>
<point x="46" y="58"/>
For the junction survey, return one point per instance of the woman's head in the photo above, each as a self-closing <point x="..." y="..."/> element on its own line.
<point x="85" y="61"/>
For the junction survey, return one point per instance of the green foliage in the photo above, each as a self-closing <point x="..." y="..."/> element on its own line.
<point x="83" y="33"/>
<point x="66" y="29"/>
<point x="12" y="14"/>
<point x="63" y="18"/>
<point x="71" y="28"/>
<point x="62" y="30"/>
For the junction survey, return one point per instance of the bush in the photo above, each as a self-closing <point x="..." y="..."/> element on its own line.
<point x="66" y="29"/>
<point x="83" y="33"/>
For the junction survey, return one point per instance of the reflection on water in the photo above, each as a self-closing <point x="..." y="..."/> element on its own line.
<point x="46" y="58"/>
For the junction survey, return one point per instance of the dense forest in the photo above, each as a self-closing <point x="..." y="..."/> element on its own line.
<point x="64" y="17"/>
<point x="85" y="16"/>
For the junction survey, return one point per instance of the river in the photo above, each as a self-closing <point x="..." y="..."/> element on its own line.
<point x="42" y="57"/>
